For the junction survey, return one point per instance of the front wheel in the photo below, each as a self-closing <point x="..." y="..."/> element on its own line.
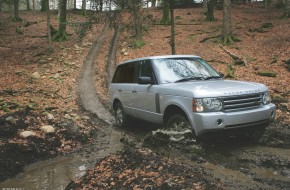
<point x="179" y="127"/>
<point x="121" y="117"/>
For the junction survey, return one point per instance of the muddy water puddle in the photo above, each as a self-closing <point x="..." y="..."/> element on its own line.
<point x="56" y="173"/>
<point x="236" y="163"/>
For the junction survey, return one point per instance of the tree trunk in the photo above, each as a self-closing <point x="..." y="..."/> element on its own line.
<point x="172" y="43"/>
<point x="48" y="23"/>
<point x="28" y="5"/>
<point x="83" y="5"/>
<point x="75" y="4"/>
<point x="280" y="4"/>
<point x="101" y="5"/>
<point x="137" y="20"/>
<point x="204" y="5"/>
<point x="153" y="4"/>
<point x="165" y="18"/>
<point x="43" y="5"/>
<point x="16" y="11"/>
<point x="61" y="34"/>
<point x="33" y="5"/>
<point x="227" y="23"/>
<point x="287" y="9"/>
<point x="210" y="8"/>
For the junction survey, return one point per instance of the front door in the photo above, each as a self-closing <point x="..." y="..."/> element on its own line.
<point x="144" y="99"/>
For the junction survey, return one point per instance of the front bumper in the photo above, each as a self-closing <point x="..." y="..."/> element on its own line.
<point x="214" y="121"/>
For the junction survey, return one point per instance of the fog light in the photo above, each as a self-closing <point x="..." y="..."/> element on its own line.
<point x="273" y="114"/>
<point x="219" y="122"/>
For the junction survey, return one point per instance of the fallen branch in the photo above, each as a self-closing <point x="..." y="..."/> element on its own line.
<point x="208" y="38"/>
<point x="6" y="47"/>
<point x="36" y="36"/>
<point x="180" y="24"/>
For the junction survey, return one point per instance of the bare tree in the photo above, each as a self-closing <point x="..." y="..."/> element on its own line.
<point x="48" y="24"/>
<point x="84" y="3"/>
<point x="134" y="7"/>
<point x="204" y="6"/>
<point x="227" y="35"/>
<point x="61" y="34"/>
<point x="287" y="9"/>
<point x="28" y="5"/>
<point x="210" y="8"/>
<point x="33" y="5"/>
<point x="173" y="51"/>
<point x="165" y="18"/>
<point x="16" y="11"/>
<point x="43" y="5"/>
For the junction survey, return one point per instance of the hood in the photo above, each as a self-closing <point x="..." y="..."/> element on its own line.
<point x="215" y="88"/>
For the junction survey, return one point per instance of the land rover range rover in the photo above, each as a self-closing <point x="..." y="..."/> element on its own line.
<point x="183" y="91"/>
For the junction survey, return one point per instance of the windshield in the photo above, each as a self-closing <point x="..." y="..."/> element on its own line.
<point x="183" y="69"/>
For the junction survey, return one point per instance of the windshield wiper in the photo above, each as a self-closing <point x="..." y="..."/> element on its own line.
<point x="212" y="77"/>
<point x="190" y="78"/>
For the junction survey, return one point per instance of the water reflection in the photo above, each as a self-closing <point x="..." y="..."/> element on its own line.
<point x="56" y="173"/>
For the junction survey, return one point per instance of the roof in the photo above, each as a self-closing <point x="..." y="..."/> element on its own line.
<point x="160" y="57"/>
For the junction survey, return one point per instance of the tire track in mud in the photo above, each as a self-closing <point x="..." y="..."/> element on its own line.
<point x="107" y="139"/>
<point x="87" y="93"/>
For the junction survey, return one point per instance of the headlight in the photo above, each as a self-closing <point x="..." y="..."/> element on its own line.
<point x="266" y="99"/>
<point x="207" y="104"/>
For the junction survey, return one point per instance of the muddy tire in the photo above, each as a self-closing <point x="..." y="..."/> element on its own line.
<point x="180" y="124"/>
<point x="121" y="117"/>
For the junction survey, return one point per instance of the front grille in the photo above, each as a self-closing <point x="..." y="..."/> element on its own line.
<point x="242" y="102"/>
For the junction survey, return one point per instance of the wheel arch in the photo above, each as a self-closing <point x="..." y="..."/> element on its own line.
<point x="115" y="102"/>
<point x="175" y="109"/>
<point x="171" y="110"/>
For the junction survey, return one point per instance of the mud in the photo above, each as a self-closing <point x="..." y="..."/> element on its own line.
<point x="17" y="152"/>
<point x="14" y="156"/>
<point x="236" y="163"/>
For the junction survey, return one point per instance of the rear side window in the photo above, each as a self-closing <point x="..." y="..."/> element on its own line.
<point x="125" y="73"/>
<point x="118" y="75"/>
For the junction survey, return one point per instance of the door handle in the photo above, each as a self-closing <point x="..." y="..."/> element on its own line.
<point x="120" y="90"/>
<point x="134" y="91"/>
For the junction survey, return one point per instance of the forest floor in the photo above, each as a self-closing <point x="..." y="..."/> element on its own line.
<point x="40" y="114"/>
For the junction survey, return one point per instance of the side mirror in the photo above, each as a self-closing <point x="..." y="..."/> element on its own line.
<point x="145" y="80"/>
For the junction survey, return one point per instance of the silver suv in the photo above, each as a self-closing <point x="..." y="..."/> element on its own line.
<point x="183" y="91"/>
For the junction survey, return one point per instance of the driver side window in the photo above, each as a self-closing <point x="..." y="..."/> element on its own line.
<point x="146" y="69"/>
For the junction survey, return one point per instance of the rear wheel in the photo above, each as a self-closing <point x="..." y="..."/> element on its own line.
<point x="121" y="117"/>
<point x="179" y="127"/>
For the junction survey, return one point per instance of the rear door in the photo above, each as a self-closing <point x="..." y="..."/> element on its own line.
<point x="123" y="82"/>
